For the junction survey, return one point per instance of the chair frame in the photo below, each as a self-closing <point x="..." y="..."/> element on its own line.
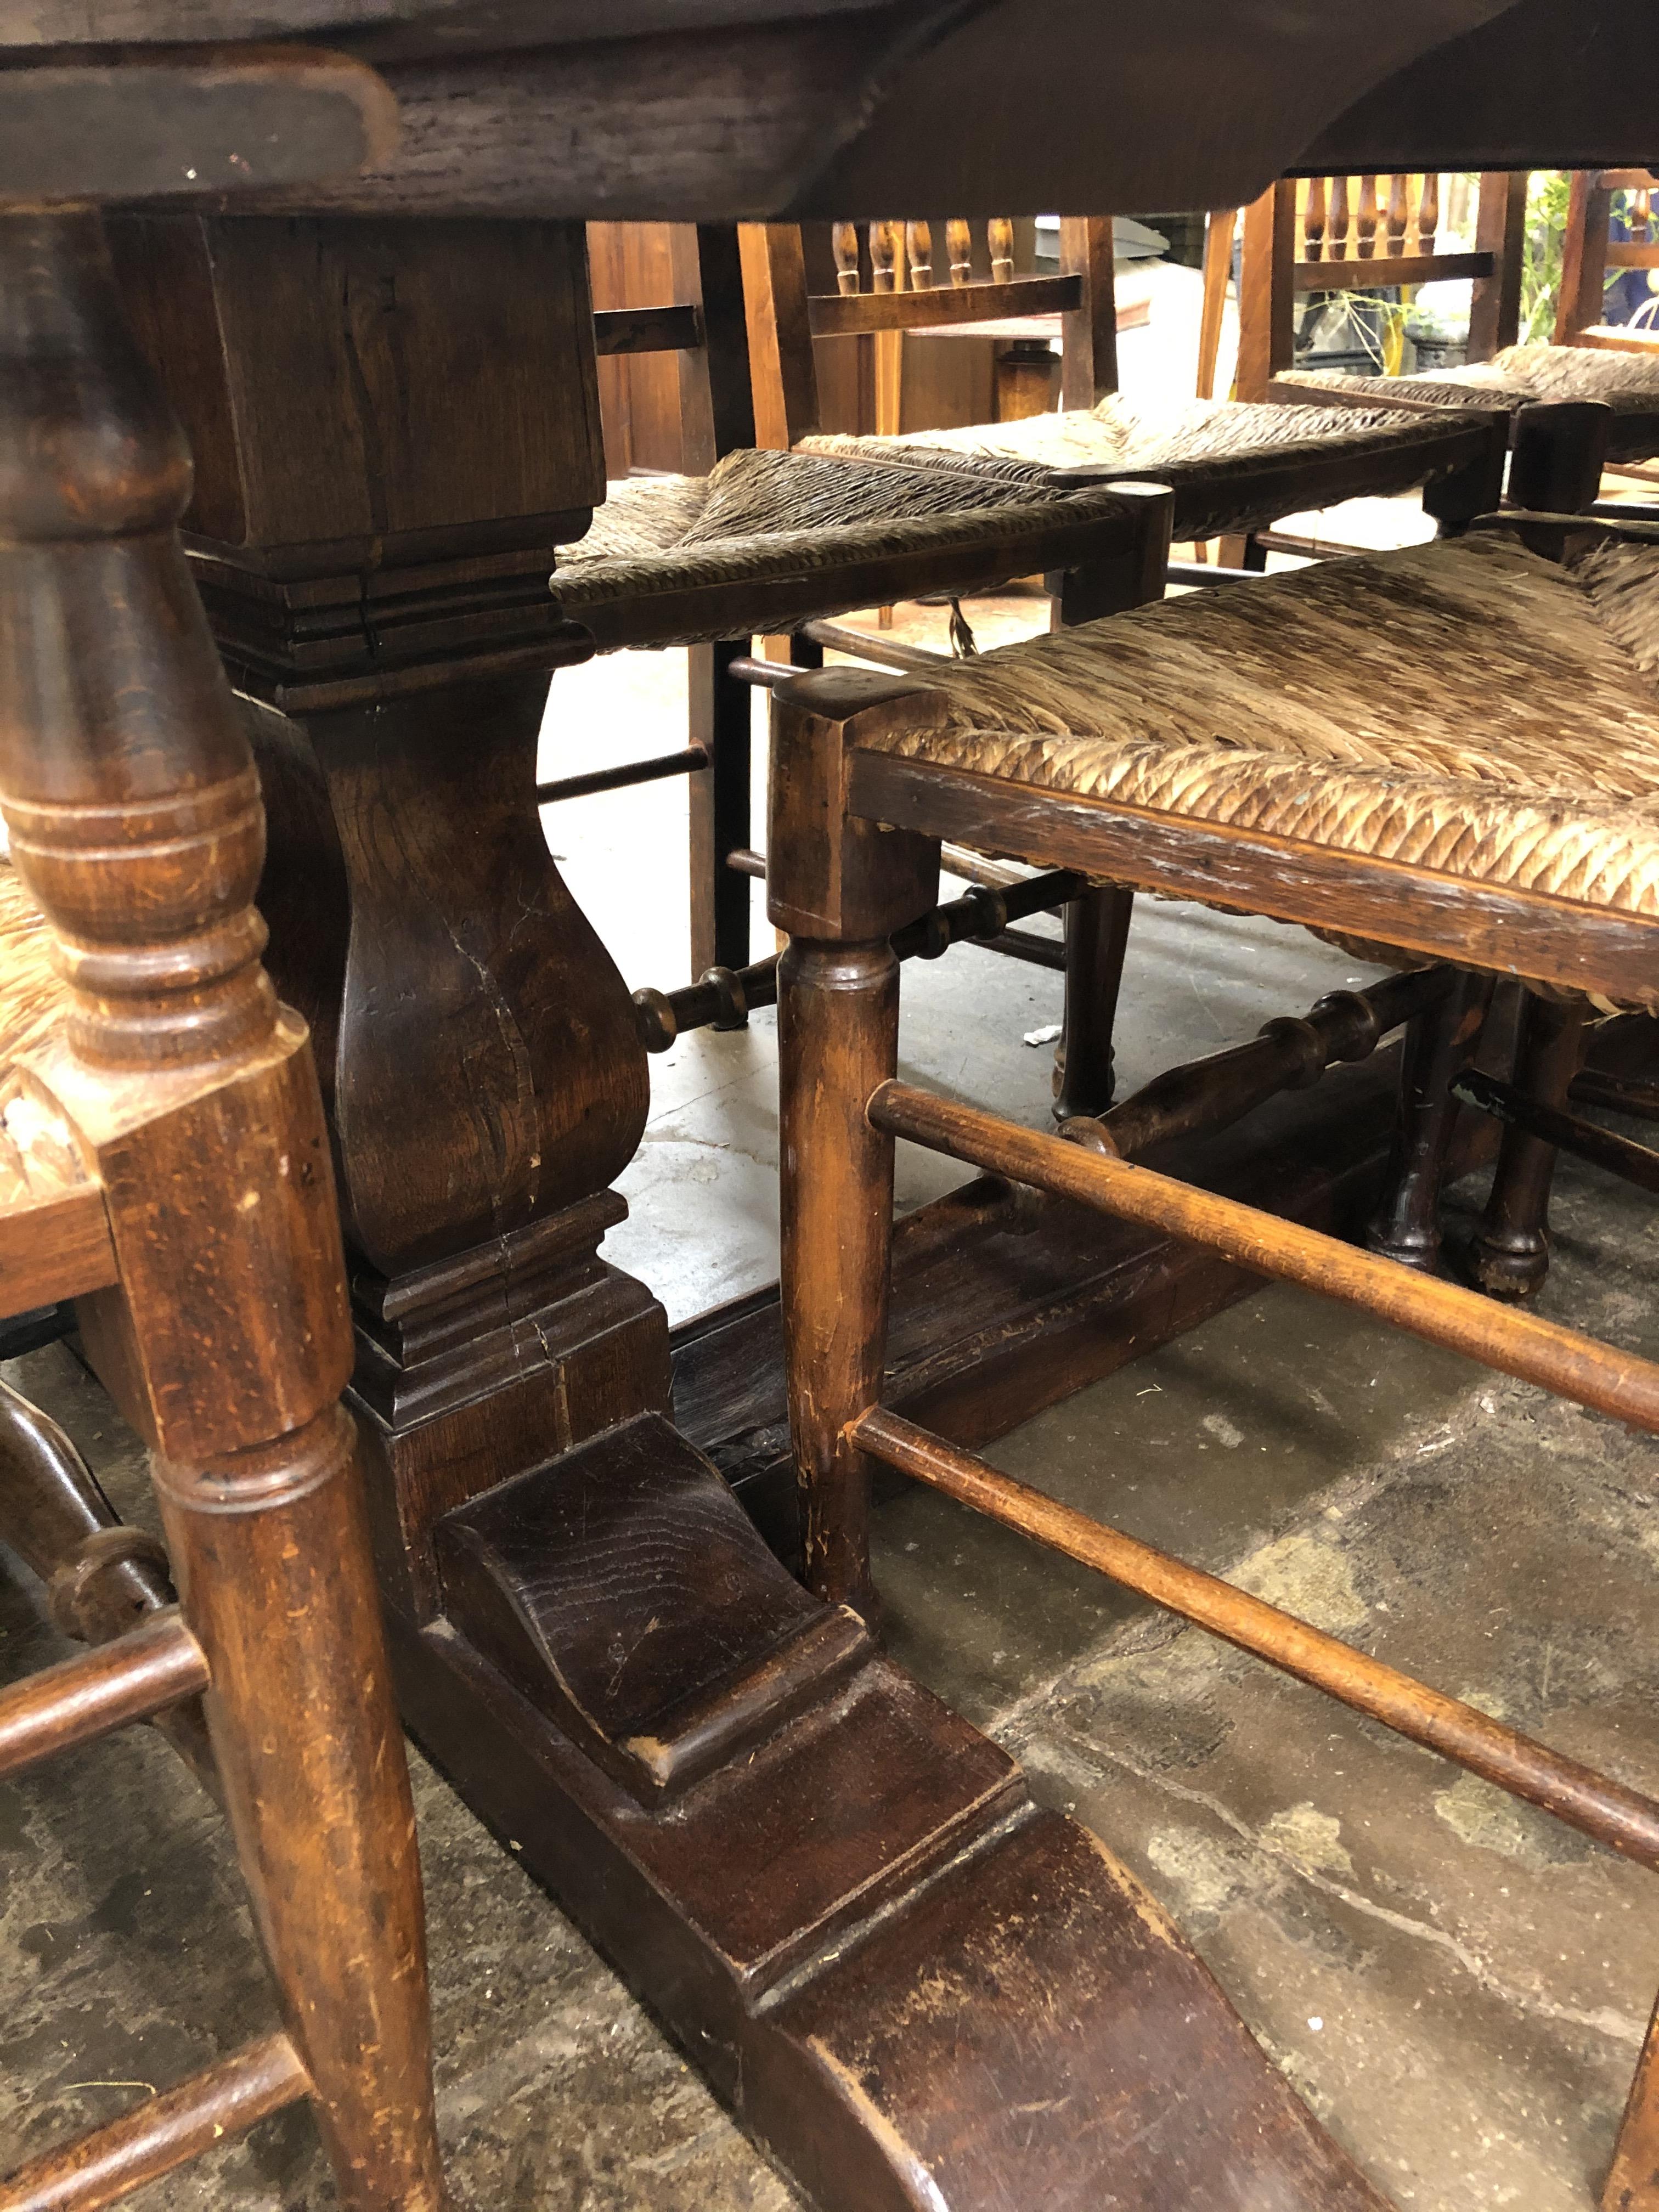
<point x="1588" y="254"/>
<point x="1284" y="254"/>
<point x="855" y="834"/>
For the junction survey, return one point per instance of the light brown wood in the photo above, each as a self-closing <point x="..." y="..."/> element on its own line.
<point x="132" y="1679"/>
<point x="1520" y="1344"/>
<point x="135" y="823"/>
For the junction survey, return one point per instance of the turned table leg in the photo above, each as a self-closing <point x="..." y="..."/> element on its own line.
<point x="135" y="820"/>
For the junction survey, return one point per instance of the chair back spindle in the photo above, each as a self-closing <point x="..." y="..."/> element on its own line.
<point x="1346" y="234"/>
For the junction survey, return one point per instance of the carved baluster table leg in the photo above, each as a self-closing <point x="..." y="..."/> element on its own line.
<point x="135" y="817"/>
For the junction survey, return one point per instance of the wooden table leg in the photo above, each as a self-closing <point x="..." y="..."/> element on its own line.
<point x="134" y="819"/>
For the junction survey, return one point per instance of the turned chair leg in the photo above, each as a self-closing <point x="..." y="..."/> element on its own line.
<point x="1508" y="1252"/>
<point x="837" y="1039"/>
<point x="1632" y="2183"/>
<point x="722" y="709"/>
<point x="1096" y="939"/>
<point x="135" y="820"/>
<point x="1438" y="1043"/>
<point x="1097" y="925"/>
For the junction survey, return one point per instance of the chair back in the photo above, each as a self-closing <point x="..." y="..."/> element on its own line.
<point x="1366" y="234"/>
<point x="1589" y="253"/>
<point x="708" y="410"/>
<point x="888" y="280"/>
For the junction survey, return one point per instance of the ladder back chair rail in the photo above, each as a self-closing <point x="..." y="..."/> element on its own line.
<point x="1590" y="253"/>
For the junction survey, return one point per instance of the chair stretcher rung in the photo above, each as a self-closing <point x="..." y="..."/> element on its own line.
<point x="153" y="2138"/>
<point x="1620" y="1818"/>
<point x="131" y="1679"/>
<point x="1520" y="1344"/>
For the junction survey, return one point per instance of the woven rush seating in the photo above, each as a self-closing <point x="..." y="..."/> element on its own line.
<point x="1626" y="384"/>
<point x="1226" y="460"/>
<point x="1468" y="709"/>
<point x="770" y="538"/>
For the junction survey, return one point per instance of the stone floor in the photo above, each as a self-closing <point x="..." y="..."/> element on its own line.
<point x="1458" y="1986"/>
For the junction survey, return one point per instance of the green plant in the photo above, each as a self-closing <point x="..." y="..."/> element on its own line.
<point x="1541" y="270"/>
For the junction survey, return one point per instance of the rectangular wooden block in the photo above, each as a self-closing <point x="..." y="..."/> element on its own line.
<point x="358" y="391"/>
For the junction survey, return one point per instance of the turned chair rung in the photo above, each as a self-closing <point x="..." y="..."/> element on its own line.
<point x="132" y="1678"/>
<point x="724" y="998"/>
<point x="151" y="2140"/>
<point x="1520" y="1344"/>
<point x="1624" y="1819"/>
<point x="691" y="760"/>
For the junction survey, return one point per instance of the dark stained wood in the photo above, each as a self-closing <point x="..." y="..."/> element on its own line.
<point x="542" y="1568"/>
<point x="54" y="1247"/>
<point x="860" y="1849"/>
<point x="1510" y="1251"/>
<point x="195" y="2115"/>
<point x="1442" y="917"/>
<point x="1568" y="1132"/>
<point x="187" y="123"/>
<point x="1500" y="221"/>
<point x="158" y="1664"/>
<point x="363" y="394"/>
<point x="1378" y="275"/>
<point x="920" y="2016"/>
<point x="1623" y="1818"/>
<point x="1287" y="1054"/>
<point x="1097" y="941"/>
<point x="691" y="760"/>
<point x="721" y="724"/>
<point x="838" y="1031"/>
<point x="1088" y="330"/>
<point x="136" y="823"/>
<point x="1265" y="297"/>
<point x="717" y="409"/>
<point x="777" y="602"/>
<point x="646" y="330"/>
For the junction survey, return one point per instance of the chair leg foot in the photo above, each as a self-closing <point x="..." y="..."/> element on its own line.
<point x="1406" y="1227"/>
<point x="1509" y="1254"/>
<point x="1096" y="938"/>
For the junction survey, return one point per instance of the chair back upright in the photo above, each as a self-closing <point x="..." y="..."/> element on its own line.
<point x="908" y="290"/>
<point x="704" y="327"/>
<point x="1364" y="233"/>
<point x="1589" y="252"/>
